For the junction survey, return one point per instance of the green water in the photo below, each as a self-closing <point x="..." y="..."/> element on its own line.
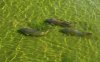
<point x="55" y="46"/>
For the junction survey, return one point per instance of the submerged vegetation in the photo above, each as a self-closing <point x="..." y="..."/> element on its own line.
<point x="54" y="47"/>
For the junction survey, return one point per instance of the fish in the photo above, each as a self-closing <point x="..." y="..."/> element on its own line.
<point x="31" y="32"/>
<point x="74" y="32"/>
<point x="58" y="22"/>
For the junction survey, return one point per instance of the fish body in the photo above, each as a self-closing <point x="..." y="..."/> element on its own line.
<point x="58" y="22"/>
<point x="31" y="32"/>
<point x="72" y="32"/>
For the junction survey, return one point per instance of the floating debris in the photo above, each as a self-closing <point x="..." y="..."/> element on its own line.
<point x="31" y="32"/>
<point x="58" y="22"/>
<point x="72" y="32"/>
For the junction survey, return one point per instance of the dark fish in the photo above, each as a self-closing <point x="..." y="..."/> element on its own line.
<point x="58" y="22"/>
<point x="72" y="32"/>
<point x="31" y="32"/>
